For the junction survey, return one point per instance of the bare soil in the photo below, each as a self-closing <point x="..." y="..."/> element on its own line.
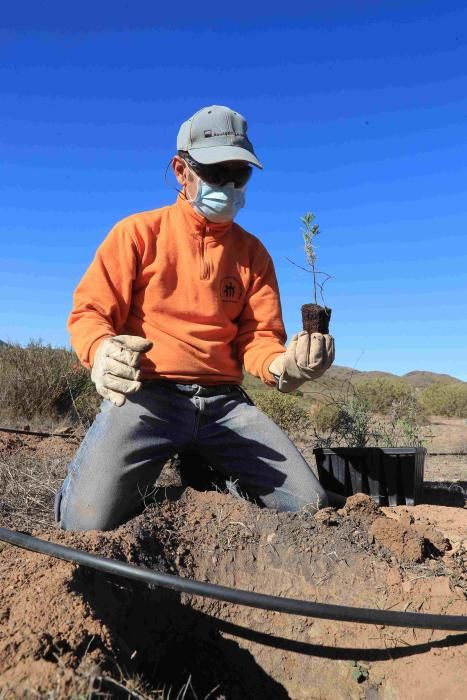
<point x="67" y="631"/>
<point x="448" y="434"/>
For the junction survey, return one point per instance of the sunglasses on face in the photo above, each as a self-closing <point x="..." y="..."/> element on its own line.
<point x="219" y="174"/>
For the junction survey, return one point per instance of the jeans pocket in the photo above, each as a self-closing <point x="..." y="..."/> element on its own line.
<point x="245" y="396"/>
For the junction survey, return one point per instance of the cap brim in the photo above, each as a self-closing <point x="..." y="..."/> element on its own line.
<point x="220" y="154"/>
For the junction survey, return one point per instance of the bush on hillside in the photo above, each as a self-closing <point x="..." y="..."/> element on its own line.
<point x="286" y="410"/>
<point x="445" y="400"/>
<point x="381" y="393"/>
<point x="325" y="417"/>
<point x="42" y="383"/>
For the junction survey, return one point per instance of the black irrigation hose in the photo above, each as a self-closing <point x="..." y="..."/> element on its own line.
<point x="35" y="432"/>
<point x="232" y="595"/>
<point x="446" y="454"/>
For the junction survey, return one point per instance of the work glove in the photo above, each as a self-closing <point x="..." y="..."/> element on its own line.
<point x="115" y="370"/>
<point x="307" y="357"/>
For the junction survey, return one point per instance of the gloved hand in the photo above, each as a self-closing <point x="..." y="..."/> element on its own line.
<point x="307" y="356"/>
<point x="115" y="370"/>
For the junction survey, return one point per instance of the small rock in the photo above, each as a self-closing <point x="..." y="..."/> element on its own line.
<point x="456" y="547"/>
<point x="407" y="519"/>
<point x="63" y="430"/>
<point x="326" y="516"/>
<point x="359" y="673"/>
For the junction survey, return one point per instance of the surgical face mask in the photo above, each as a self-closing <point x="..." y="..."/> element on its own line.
<point x="217" y="203"/>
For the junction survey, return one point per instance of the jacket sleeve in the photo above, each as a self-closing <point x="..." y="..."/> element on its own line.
<point x="102" y="299"/>
<point x="261" y="334"/>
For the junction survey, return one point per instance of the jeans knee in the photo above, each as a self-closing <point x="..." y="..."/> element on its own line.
<point x="73" y="520"/>
<point x="74" y="516"/>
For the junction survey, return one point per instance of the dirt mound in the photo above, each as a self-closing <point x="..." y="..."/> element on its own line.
<point x="67" y="627"/>
<point x="410" y="542"/>
<point x="66" y="618"/>
<point x="452" y="522"/>
<point x="43" y="621"/>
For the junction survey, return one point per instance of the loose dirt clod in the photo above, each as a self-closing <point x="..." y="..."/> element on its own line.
<point x="400" y="539"/>
<point x="361" y="508"/>
<point x="327" y="516"/>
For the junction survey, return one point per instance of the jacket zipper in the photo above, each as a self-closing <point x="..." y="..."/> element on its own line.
<point x="204" y="262"/>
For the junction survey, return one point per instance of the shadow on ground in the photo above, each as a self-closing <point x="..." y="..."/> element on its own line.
<point x="445" y="493"/>
<point x="166" y="641"/>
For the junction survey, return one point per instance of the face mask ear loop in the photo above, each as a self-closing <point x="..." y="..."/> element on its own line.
<point x="198" y="180"/>
<point x="181" y="192"/>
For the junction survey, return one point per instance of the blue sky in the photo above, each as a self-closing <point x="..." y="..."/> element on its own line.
<point x="358" y="111"/>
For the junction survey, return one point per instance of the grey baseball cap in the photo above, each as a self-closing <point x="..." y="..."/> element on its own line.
<point x="216" y="134"/>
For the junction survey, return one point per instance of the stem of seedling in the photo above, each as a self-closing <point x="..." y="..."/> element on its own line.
<point x="317" y="272"/>
<point x="311" y="230"/>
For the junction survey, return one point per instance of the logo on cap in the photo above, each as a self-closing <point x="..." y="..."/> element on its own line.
<point x="210" y="132"/>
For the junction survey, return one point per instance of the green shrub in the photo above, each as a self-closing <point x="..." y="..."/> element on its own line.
<point x="39" y="382"/>
<point x="403" y="427"/>
<point x="349" y="421"/>
<point x="325" y="417"/>
<point x="286" y="410"/>
<point x="445" y="400"/>
<point x="381" y="392"/>
<point x="353" y="423"/>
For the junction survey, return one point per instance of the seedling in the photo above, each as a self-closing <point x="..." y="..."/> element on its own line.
<point x="315" y="318"/>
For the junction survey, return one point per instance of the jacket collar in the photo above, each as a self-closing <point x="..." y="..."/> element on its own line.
<point x="196" y="223"/>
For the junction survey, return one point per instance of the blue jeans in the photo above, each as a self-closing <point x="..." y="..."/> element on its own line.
<point x="124" y="450"/>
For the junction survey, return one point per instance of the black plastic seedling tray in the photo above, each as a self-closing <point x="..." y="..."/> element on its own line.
<point x="390" y="475"/>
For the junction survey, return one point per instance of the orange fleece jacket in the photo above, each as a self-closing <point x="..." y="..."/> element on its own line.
<point x="206" y="294"/>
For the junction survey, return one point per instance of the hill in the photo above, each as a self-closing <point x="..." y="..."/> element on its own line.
<point x="421" y="379"/>
<point x="338" y="375"/>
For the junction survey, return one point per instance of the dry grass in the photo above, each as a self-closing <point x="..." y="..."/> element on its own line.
<point x="28" y="483"/>
<point x="90" y="684"/>
<point x="44" y="385"/>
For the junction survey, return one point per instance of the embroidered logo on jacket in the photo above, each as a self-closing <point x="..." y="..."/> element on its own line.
<point x="231" y="289"/>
